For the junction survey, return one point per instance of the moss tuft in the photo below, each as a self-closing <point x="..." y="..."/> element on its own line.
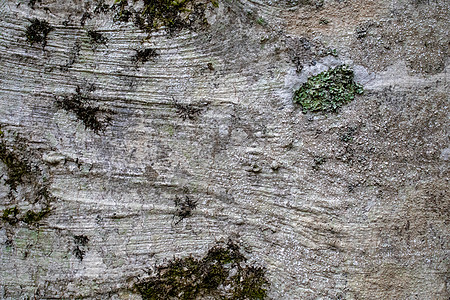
<point x="32" y="3"/>
<point x="9" y="215"/>
<point x="145" y="55"/>
<point x="184" y="207"/>
<point x="13" y="215"/>
<point x="32" y="217"/>
<point x="153" y="15"/>
<point x="318" y="161"/>
<point x="187" y="111"/>
<point x="173" y="15"/>
<point x="80" y="248"/>
<point x="96" y="38"/>
<point x="249" y="284"/>
<point x="347" y="137"/>
<point x="122" y="14"/>
<point x="89" y="115"/>
<point x="101" y="7"/>
<point x="328" y="91"/>
<point x="16" y="167"/>
<point x="81" y="240"/>
<point x="38" y="31"/>
<point x="20" y="172"/>
<point x="221" y="274"/>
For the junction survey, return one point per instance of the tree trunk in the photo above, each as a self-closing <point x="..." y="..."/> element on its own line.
<point x="134" y="134"/>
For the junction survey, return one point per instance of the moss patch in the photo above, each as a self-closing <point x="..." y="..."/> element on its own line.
<point x="19" y="172"/>
<point x="184" y="206"/>
<point x="80" y="248"/>
<point x="13" y="215"/>
<point x="16" y="167"/>
<point x="221" y="274"/>
<point x="328" y="91"/>
<point x="171" y="14"/>
<point x="318" y="161"/>
<point x="153" y="15"/>
<point x="187" y="111"/>
<point x="31" y="217"/>
<point x="9" y="215"/>
<point x="122" y="13"/>
<point x="347" y="136"/>
<point x="32" y="3"/>
<point x="96" y="38"/>
<point x="145" y="55"/>
<point x="88" y="114"/>
<point x="38" y="31"/>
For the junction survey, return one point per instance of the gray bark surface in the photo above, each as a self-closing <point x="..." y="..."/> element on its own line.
<point x="345" y="205"/>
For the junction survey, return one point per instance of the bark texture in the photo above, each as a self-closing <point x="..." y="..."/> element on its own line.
<point x="123" y="148"/>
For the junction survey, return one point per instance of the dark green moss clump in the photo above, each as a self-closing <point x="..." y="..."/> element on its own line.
<point x="31" y="217"/>
<point x="17" y="168"/>
<point x="170" y="15"/>
<point x="9" y="215"/>
<point x="249" y="283"/>
<point x="89" y="115"/>
<point x="221" y="274"/>
<point x="347" y="137"/>
<point x="328" y="91"/>
<point x="13" y="215"/>
<point x="38" y="31"/>
<point x="173" y="15"/>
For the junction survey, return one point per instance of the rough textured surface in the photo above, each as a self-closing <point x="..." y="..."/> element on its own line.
<point x="346" y="205"/>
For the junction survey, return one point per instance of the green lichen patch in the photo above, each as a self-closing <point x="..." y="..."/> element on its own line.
<point x="221" y="274"/>
<point x="38" y="31"/>
<point x="93" y="117"/>
<point x="328" y="91"/>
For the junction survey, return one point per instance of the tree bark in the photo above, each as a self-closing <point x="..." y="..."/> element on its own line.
<point x="124" y="146"/>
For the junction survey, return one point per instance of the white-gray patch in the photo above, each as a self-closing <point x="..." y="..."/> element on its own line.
<point x="445" y="154"/>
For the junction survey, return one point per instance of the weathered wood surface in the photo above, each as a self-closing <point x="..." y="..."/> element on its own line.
<point x="347" y="205"/>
